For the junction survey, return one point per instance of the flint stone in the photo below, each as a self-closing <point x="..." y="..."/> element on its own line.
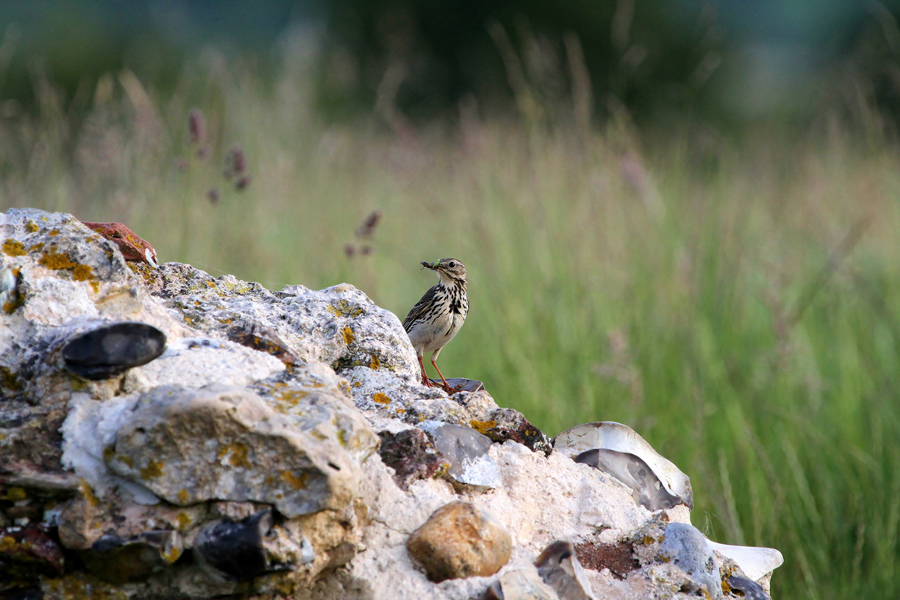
<point x="467" y="452"/>
<point x="559" y="568"/>
<point x="226" y="443"/>
<point x="634" y="473"/>
<point x="110" y="350"/>
<point x="687" y="548"/>
<point x="749" y="589"/>
<point x="238" y="550"/>
<point x="460" y="540"/>
<point x="522" y="583"/>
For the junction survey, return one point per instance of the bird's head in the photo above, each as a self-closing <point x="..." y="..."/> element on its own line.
<point x="450" y="270"/>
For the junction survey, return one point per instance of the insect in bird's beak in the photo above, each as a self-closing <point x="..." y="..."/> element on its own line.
<point x="427" y="265"/>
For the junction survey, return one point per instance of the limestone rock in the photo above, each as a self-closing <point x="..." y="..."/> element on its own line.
<point x="207" y="472"/>
<point x="225" y="443"/>
<point x="339" y="326"/>
<point x="387" y="395"/>
<point x="460" y="540"/>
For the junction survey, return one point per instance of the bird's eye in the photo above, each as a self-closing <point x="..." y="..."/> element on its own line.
<point x="452" y="265"/>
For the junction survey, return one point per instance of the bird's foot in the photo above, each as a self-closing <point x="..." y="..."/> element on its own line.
<point x="451" y="390"/>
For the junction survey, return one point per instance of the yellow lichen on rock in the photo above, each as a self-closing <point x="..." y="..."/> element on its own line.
<point x="237" y="453"/>
<point x="298" y="482"/>
<point x="482" y="426"/>
<point x="153" y="469"/>
<point x="13" y="248"/>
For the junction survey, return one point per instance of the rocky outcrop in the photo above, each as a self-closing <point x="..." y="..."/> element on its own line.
<point x="164" y="433"/>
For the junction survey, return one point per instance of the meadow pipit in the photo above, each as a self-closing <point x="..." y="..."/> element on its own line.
<point x="437" y="317"/>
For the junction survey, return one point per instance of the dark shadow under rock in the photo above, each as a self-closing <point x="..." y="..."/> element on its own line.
<point x="120" y="561"/>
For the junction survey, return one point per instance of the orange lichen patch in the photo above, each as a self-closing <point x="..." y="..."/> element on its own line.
<point x="401" y="410"/>
<point x="298" y="482"/>
<point x="15" y="493"/>
<point x="172" y="554"/>
<point x="31" y="227"/>
<point x="183" y="497"/>
<point x="237" y="454"/>
<point x="85" y="488"/>
<point x="348" y="335"/>
<point x="8" y="545"/>
<point x="153" y="469"/>
<point x="82" y="273"/>
<point x="183" y="520"/>
<point x="289" y="398"/>
<point x="482" y="426"/>
<point x="36" y="247"/>
<point x="374" y="363"/>
<point x="342" y="308"/>
<point x="54" y="233"/>
<point x="381" y="398"/>
<point x="56" y="260"/>
<point x="13" y="247"/>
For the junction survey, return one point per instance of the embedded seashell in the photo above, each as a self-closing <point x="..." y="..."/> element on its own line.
<point x="608" y="435"/>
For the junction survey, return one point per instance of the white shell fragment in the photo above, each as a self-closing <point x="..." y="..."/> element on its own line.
<point x="755" y="561"/>
<point x="609" y="435"/>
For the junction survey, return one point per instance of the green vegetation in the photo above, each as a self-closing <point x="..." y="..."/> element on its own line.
<point x="735" y="302"/>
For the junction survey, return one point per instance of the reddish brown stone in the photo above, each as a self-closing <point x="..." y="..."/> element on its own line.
<point x="29" y="551"/>
<point x="618" y="557"/>
<point x="130" y="244"/>
<point x="460" y="540"/>
<point x="412" y="456"/>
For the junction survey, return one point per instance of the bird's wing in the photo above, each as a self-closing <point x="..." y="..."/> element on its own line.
<point x="419" y="309"/>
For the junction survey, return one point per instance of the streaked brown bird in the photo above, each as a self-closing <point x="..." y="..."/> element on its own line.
<point x="438" y="316"/>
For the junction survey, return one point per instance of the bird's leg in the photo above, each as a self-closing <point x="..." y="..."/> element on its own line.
<point x="447" y="388"/>
<point x="425" y="381"/>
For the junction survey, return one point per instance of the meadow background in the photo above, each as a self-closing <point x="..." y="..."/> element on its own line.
<point x="727" y="284"/>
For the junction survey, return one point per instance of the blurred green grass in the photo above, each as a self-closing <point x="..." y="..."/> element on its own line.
<point x="735" y="301"/>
